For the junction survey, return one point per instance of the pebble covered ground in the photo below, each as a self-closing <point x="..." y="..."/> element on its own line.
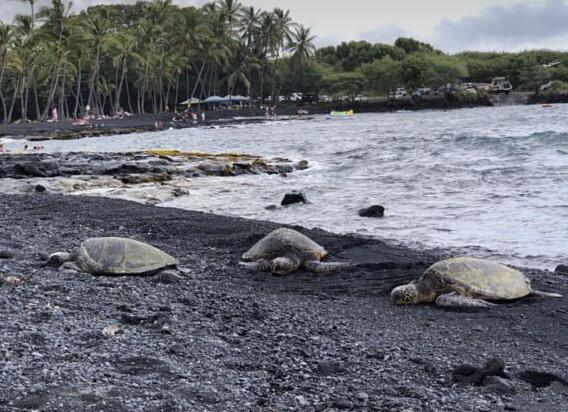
<point x="224" y="339"/>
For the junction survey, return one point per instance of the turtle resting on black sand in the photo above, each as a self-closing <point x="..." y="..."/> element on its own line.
<point x="114" y="256"/>
<point x="285" y="250"/>
<point x="466" y="282"/>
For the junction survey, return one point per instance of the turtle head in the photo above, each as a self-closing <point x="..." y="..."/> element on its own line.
<point x="58" y="259"/>
<point x="282" y="266"/>
<point x="405" y="295"/>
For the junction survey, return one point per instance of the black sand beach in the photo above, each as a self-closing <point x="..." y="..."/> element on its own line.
<point x="224" y="339"/>
<point x="65" y="130"/>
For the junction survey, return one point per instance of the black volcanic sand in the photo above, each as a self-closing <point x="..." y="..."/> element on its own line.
<point x="224" y="339"/>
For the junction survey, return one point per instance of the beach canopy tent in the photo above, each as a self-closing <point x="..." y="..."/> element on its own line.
<point x="236" y="99"/>
<point x="191" y="101"/>
<point x="226" y="99"/>
<point x="213" y="99"/>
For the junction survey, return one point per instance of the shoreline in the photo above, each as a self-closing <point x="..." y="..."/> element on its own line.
<point x="226" y="339"/>
<point x="145" y="122"/>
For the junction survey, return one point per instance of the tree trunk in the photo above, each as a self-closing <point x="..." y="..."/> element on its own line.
<point x="78" y="92"/>
<point x="14" y="97"/>
<point x="93" y="77"/>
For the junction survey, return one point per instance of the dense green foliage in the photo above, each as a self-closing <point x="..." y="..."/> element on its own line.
<point x="150" y="55"/>
<point x="409" y="63"/>
<point x="145" y="57"/>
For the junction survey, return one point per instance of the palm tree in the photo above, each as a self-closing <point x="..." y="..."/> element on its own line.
<point x="249" y="24"/>
<point x="240" y="67"/>
<point x="301" y="46"/>
<point x="6" y="37"/>
<point x="229" y="11"/>
<point x="124" y="45"/>
<point x="32" y="4"/>
<point x="97" y="32"/>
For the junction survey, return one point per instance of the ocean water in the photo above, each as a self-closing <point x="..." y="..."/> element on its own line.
<point x="489" y="182"/>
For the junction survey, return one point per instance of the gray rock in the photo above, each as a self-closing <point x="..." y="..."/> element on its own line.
<point x="293" y="198"/>
<point x="6" y="254"/>
<point x="372" y="211"/>
<point x="562" y="269"/>
<point x="330" y="367"/>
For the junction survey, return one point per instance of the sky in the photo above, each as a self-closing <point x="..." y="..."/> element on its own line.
<point x="450" y="25"/>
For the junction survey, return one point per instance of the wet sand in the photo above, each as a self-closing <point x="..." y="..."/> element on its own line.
<point x="224" y="339"/>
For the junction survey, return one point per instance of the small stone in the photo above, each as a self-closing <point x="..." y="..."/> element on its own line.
<point x="301" y="401"/>
<point x="40" y="189"/>
<point x="342" y="403"/>
<point x="111" y="330"/>
<point x="372" y="211"/>
<point x="562" y="269"/>
<point x="178" y="192"/>
<point x="302" y="165"/>
<point x="271" y="207"/>
<point x="329" y="367"/>
<point x="12" y="280"/>
<point x="362" y="397"/>
<point x="6" y="254"/>
<point x="292" y="198"/>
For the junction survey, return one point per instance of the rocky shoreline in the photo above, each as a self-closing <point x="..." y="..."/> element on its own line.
<point x="223" y="339"/>
<point x="150" y="176"/>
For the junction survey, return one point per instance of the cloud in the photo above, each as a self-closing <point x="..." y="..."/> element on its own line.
<point x="383" y="34"/>
<point x="505" y="28"/>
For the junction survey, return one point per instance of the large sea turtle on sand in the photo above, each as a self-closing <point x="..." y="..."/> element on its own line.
<point x="466" y="282"/>
<point x="285" y="250"/>
<point x="114" y="256"/>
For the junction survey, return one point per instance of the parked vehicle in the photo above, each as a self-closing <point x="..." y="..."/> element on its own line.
<point x="296" y="97"/>
<point x="325" y="98"/>
<point x="310" y="98"/>
<point x="501" y="85"/>
<point x="425" y="91"/>
<point x="399" y="93"/>
<point x="360" y="98"/>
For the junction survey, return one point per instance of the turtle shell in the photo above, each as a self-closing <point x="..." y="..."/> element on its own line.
<point x="282" y="241"/>
<point x="120" y="256"/>
<point x="478" y="278"/>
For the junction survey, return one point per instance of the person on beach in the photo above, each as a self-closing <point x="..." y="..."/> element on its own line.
<point x="203" y="116"/>
<point x="1" y="147"/>
<point x="194" y="117"/>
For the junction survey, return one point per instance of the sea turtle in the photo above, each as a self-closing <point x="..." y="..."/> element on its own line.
<point x="285" y="250"/>
<point x="467" y="282"/>
<point x="114" y="256"/>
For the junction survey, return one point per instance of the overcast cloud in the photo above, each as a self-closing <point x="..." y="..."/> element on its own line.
<point x="451" y="25"/>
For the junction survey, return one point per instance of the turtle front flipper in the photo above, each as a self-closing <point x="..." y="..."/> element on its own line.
<point x="324" y="267"/>
<point x="261" y="265"/>
<point x="458" y="301"/>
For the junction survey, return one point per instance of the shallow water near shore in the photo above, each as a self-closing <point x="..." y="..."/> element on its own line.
<point x="490" y="182"/>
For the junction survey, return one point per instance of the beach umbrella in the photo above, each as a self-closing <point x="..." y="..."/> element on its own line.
<point x="191" y="101"/>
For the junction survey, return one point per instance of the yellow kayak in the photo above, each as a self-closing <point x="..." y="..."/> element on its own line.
<point x="341" y="113"/>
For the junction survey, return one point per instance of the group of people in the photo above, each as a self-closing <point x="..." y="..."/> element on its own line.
<point x="89" y="116"/>
<point x="189" y="115"/>
<point x="270" y="111"/>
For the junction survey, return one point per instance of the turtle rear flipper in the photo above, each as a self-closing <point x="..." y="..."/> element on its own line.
<point x="540" y="294"/>
<point x="458" y="301"/>
<point x="324" y="267"/>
